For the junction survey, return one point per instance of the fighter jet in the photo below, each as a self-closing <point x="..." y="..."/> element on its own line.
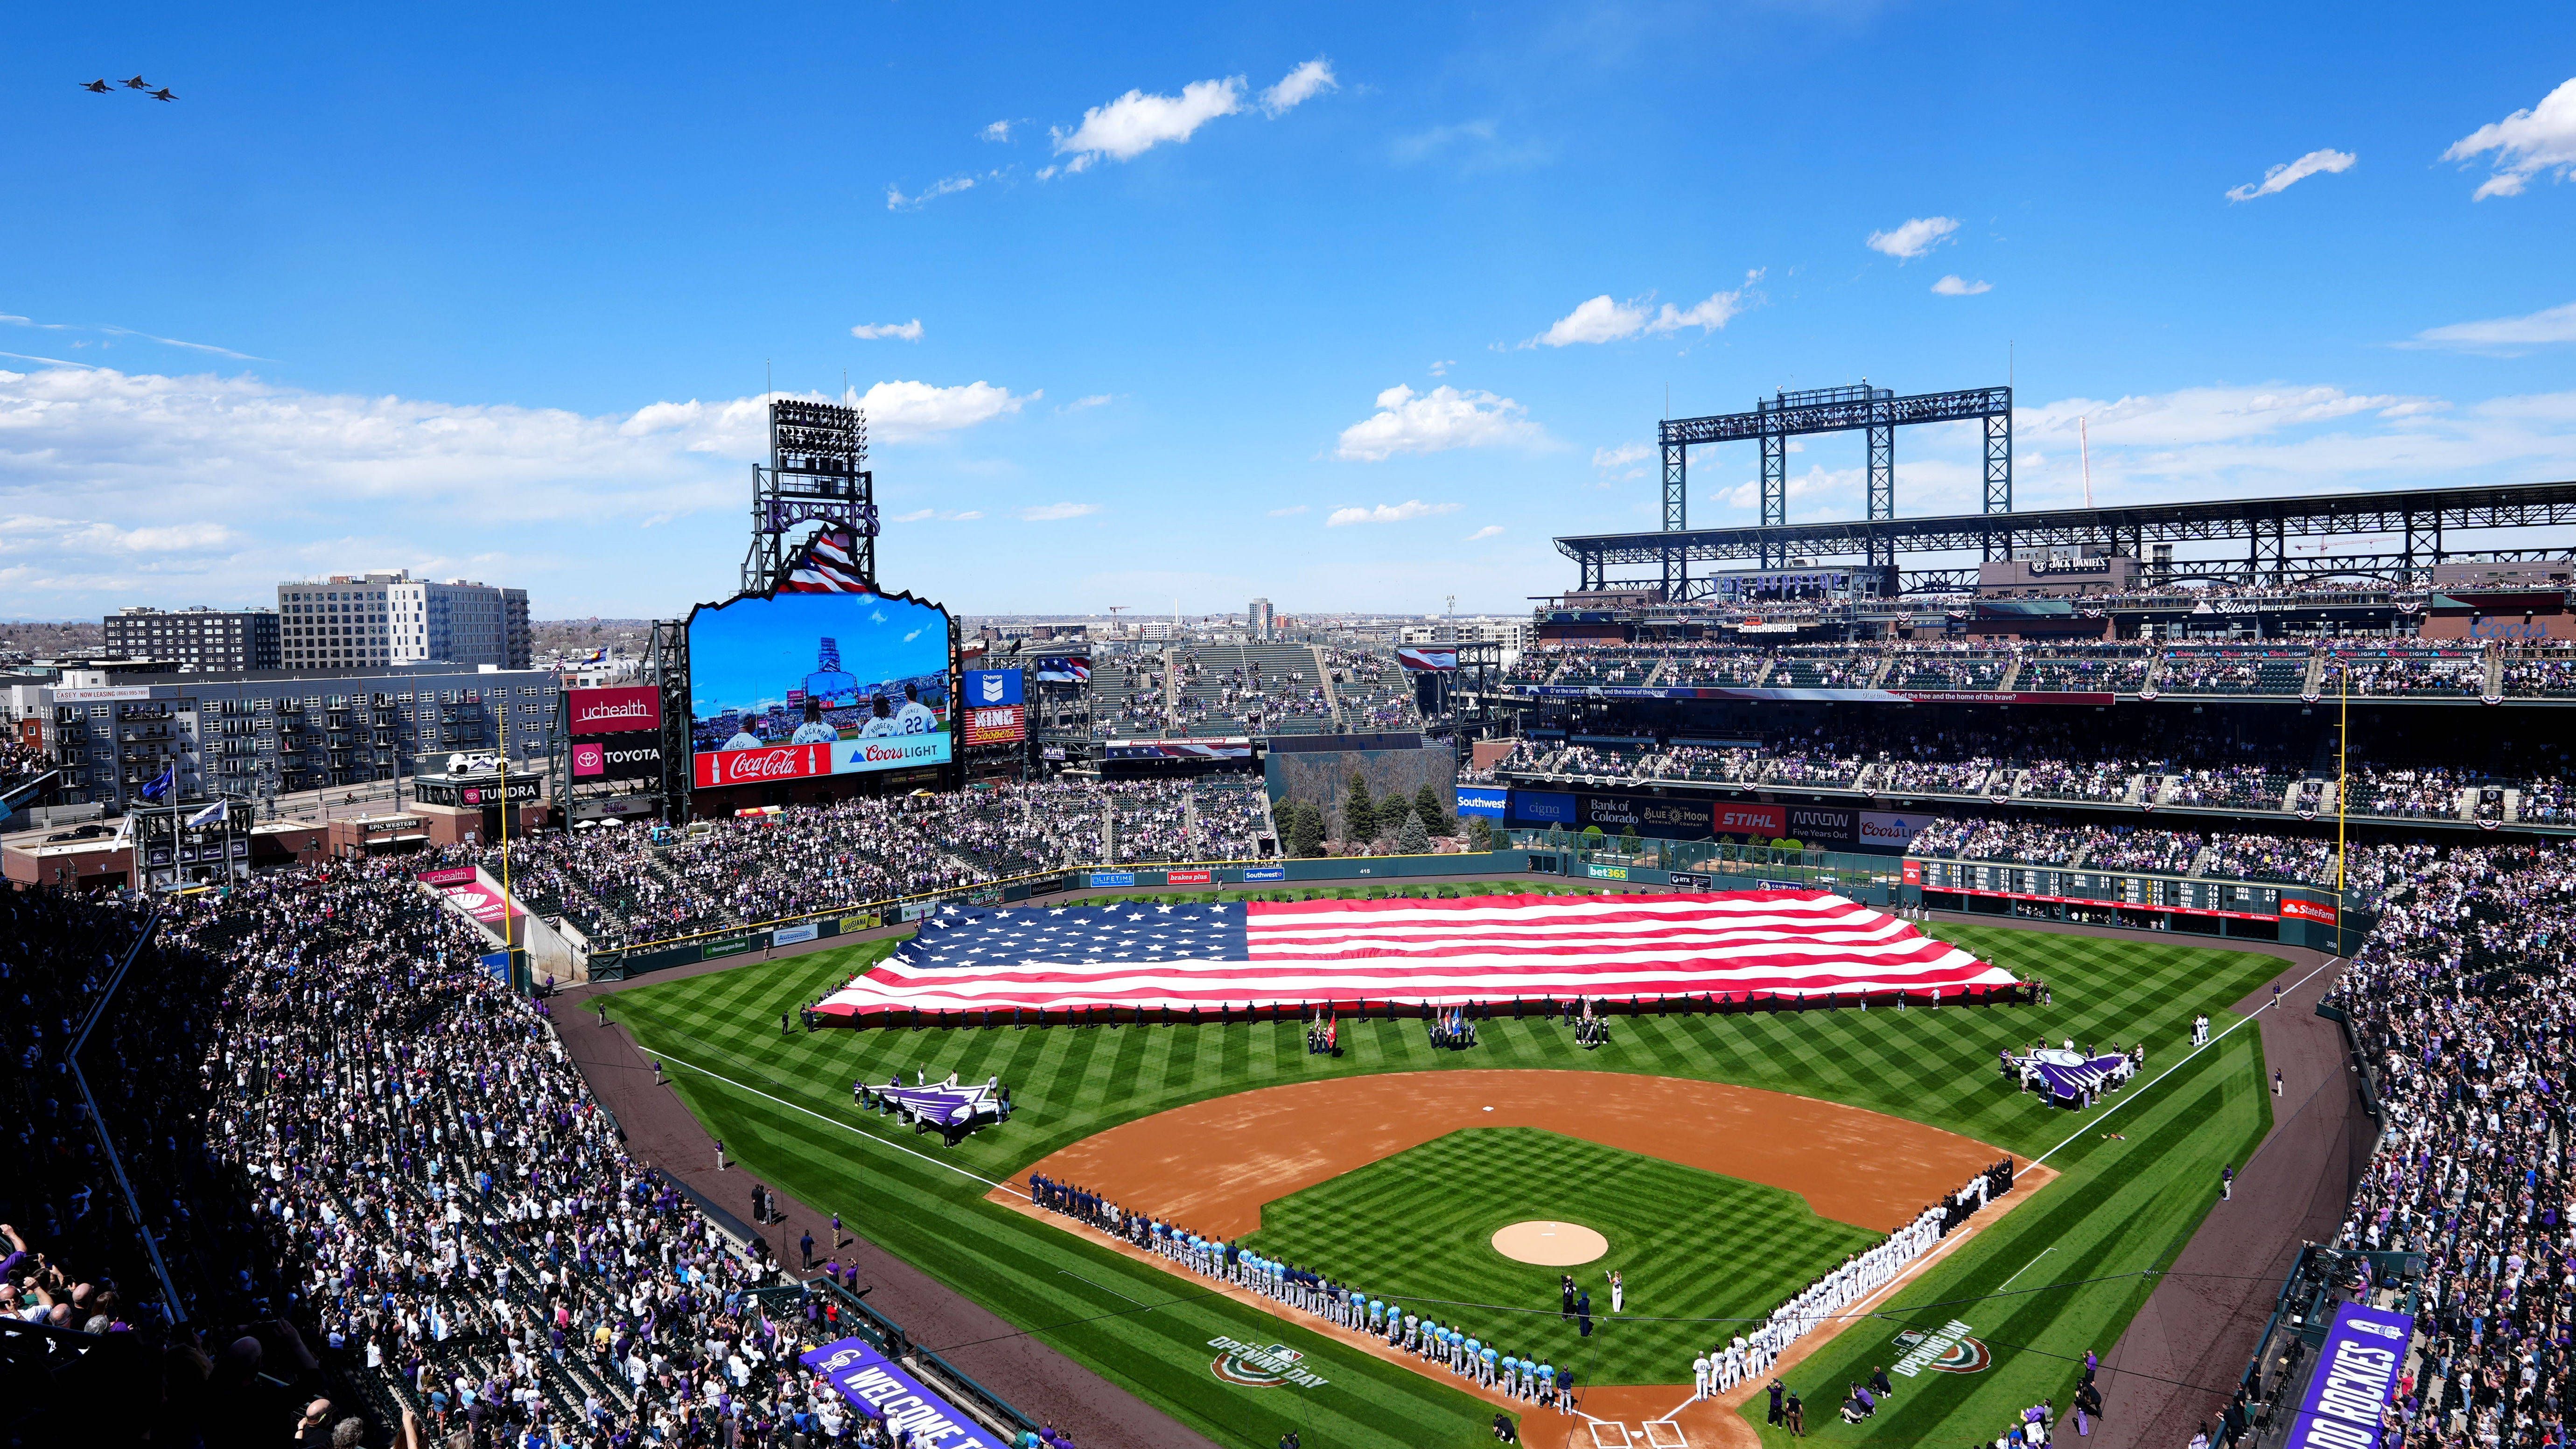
<point x="99" y="86"/>
<point x="138" y="83"/>
<point x="163" y="94"/>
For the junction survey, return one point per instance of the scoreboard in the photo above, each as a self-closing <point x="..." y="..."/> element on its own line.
<point x="2243" y="900"/>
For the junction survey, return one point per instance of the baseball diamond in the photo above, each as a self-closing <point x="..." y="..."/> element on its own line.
<point x="1706" y="1249"/>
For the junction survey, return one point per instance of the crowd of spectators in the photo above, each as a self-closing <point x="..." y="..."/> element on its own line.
<point x="389" y="1208"/>
<point x="2400" y="671"/>
<point x="2461" y="1009"/>
<point x="2538" y="673"/>
<point x="621" y="886"/>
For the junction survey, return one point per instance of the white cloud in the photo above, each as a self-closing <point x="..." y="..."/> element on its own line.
<point x="1057" y="512"/>
<point x="1404" y="512"/>
<point x="2525" y="144"/>
<point x="1605" y="320"/>
<point x="998" y="131"/>
<point x="1302" y="84"/>
<point x="1621" y="456"/>
<point x="1598" y="320"/>
<point x="1289" y="512"/>
<point x="870" y="331"/>
<point x="166" y="467"/>
<point x="1914" y="238"/>
<point x="1096" y="400"/>
<point x="12" y="320"/>
<point x="2508" y="335"/>
<point x="917" y="515"/>
<point x="1490" y="530"/>
<point x="901" y="411"/>
<point x="1956" y="286"/>
<point x="1441" y="368"/>
<point x="2196" y="415"/>
<point x="1136" y="123"/>
<point x="1432" y="422"/>
<point x="969" y="516"/>
<point x="897" y="201"/>
<point x="1814" y="483"/>
<point x="2290" y="173"/>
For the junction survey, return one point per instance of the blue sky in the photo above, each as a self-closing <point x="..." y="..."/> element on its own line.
<point x="1346" y="307"/>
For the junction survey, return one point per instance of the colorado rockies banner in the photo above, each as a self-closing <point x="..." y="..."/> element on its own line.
<point x="882" y="1390"/>
<point x="2364" y="1353"/>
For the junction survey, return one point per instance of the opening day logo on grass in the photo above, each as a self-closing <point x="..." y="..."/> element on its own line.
<point x="1255" y="1366"/>
<point x="1948" y="1349"/>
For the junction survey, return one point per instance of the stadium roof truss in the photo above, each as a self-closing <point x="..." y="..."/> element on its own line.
<point x="2423" y="518"/>
<point x="1877" y="411"/>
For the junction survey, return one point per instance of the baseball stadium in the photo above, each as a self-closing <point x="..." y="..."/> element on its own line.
<point x="2068" y="994"/>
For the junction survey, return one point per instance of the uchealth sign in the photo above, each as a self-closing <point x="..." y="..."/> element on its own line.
<point x="622" y="710"/>
<point x="617" y="757"/>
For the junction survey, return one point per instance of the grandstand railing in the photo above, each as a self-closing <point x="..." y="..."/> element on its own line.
<point x="98" y="1123"/>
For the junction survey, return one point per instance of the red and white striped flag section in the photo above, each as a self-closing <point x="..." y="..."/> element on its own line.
<point x="1440" y="952"/>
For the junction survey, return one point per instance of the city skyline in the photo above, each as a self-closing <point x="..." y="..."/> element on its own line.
<point x="1350" y="313"/>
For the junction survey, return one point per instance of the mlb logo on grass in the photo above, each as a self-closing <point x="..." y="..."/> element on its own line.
<point x="991" y="686"/>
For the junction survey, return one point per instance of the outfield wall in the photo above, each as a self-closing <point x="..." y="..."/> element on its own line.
<point x="2294" y="915"/>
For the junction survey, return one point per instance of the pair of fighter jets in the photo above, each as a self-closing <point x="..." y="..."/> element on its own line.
<point x="138" y="83"/>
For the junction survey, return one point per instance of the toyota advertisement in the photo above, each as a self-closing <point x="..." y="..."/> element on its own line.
<point x="617" y="757"/>
<point x="995" y="714"/>
<point x="796" y="685"/>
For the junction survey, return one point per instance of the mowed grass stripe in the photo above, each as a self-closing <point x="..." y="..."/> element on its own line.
<point x="1935" y="1067"/>
<point x="1692" y="1244"/>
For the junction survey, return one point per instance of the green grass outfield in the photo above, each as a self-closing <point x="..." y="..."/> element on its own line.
<point x="2123" y="1207"/>
<point x="1420" y="1225"/>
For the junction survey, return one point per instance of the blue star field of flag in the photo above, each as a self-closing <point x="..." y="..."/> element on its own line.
<point x="960" y="937"/>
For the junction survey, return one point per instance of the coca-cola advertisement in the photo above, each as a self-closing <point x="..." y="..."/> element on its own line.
<point x="791" y="685"/>
<point x="622" y="710"/>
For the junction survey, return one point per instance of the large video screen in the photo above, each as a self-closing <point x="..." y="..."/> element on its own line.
<point x="803" y="684"/>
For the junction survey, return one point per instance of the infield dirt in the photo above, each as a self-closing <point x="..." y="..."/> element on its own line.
<point x="1211" y="1166"/>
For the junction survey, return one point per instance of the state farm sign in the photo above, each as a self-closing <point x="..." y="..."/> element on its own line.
<point x="615" y="711"/>
<point x="759" y="766"/>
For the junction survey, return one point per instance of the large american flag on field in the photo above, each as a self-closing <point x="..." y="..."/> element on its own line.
<point x="1441" y="952"/>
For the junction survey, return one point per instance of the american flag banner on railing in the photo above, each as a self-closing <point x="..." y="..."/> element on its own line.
<point x="1441" y="952"/>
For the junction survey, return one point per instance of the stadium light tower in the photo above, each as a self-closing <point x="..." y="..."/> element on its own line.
<point x="817" y="473"/>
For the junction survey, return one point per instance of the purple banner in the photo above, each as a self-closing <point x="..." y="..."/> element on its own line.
<point x="882" y="1390"/>
<point x="2364" y="1353"/>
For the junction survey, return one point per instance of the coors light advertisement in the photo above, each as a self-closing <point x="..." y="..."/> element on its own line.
<point x="803" y="684"/>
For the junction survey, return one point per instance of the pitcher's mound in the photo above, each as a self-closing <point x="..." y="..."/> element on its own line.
<point x="1550" y="1245"/>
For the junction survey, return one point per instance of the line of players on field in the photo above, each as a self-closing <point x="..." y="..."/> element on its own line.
<point x="1528" y="1380"/>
